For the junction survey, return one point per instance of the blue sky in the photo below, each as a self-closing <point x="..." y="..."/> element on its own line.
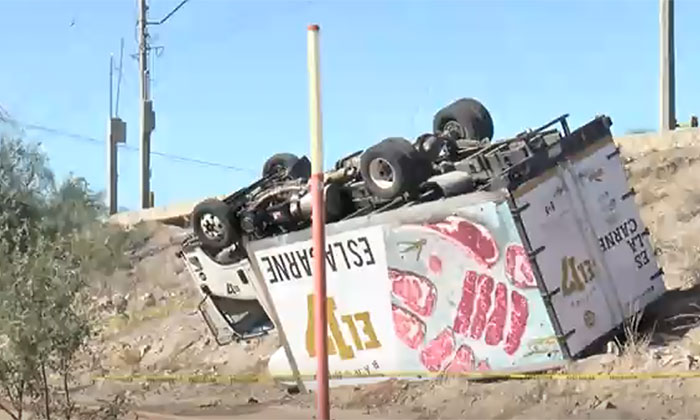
<point x="230" y="86"/>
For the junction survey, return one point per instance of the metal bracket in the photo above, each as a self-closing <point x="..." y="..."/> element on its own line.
<point x="567" y="335"/>
<point x="517" y="210"/>
<point x="615" y="153"/>
<point x="533" y="254"/>
<point x="548" y="296"/>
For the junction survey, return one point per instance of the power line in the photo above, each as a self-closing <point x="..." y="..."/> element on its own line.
<point x="89" y="139"/>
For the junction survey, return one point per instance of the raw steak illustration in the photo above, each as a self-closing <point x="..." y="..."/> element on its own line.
<point x="472" y="237"/>
<point x="497" y="321"/>
<point x="408" y="327"/>
<point x="416" y="292"/>
<point x="483" y="304"/>
<point x="463" y="360"/>
<point x="483" y="365"/>
<point x="518" y="269"/>
<point x="438" y="351"/>
<point x="483" y="314"/>
<point x="518" y="322"/>
<point x="466" y="304"/>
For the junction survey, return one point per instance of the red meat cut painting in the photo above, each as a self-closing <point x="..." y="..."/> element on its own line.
<point x="474" y="238"/>
<point x="409" y="328"/>
<point x="518" y="269"/>
<point x="476" y="304"/>
<point x="489" y="311"/>
<point x="416" y="292"/>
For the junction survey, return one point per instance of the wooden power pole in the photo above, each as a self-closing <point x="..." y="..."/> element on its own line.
<point x="146" y="107"/>
<point x="667" y="76"/>
<point x="116" y="134"/>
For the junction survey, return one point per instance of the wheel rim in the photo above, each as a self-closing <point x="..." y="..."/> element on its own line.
<point x="381" y="172"/>
<point x="212" y="227"/>
<point x="455" y="127"/>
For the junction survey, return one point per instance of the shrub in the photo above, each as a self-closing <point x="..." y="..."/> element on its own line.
<point x="48" y="242"/>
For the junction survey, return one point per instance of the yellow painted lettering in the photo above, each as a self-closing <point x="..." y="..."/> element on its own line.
<point x="347" y="319"/>
<point x="566" y="287"/>
<point x="311" y="332"/>
<point x="344" y="350"/>
<point x="368" y="329"/>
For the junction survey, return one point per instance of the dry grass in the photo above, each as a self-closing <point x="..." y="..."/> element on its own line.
<point x="633" y="352"/>
<point x="125" y="323"/>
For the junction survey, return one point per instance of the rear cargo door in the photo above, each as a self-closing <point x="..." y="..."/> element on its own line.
<point x="622" y="241"/>
<point x="557" y="237"/>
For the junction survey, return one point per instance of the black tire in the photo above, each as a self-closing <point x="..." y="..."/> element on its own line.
<point x="283" y="161"/>
<point x="211" y="222"/>
<point x="395" y="159"/>
<point x="470" y="114"/>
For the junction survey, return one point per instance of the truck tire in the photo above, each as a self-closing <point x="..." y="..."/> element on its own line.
<point x="211" y="222"/>
<point x="473" y="117"/>
<point x="284" y="161"/>
<point x="391" y="168"/>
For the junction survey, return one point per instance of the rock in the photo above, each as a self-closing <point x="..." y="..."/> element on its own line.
<point x="104" y="303"/>
<point x="608" y="406"/>
<point x="145" y="349"/>
<point x="178" y="266"/>
<point x="120" y="303"/>
<point x="148" y="300"/>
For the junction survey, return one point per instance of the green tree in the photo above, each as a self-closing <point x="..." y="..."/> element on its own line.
<point x="45" y="242"/>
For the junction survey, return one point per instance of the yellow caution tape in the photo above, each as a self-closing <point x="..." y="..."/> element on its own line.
<point x="251" y="378"/>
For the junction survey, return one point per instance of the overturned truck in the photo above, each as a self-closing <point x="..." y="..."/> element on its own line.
<point x="504" y="256"/>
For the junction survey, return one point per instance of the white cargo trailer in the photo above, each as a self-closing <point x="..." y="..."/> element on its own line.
<point x="525" y="273"/>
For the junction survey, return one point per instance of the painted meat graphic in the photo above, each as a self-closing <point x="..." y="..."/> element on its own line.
<point x="408" y="327"/>
<point x="481" y="313"/>
<point x="518" y="322"/>
<point x="475" y="239"/>
<point x="436" y="354"/>
<point x="416" y="292"/>
<point x="463" y="360"/>
<point x="518" y="269"/>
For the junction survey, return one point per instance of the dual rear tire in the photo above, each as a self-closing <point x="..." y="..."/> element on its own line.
<point x="394" y="166"/>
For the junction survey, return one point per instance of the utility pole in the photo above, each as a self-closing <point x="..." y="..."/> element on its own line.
<point x="111" y="151"/>
<point x="667" y="76"/>
<point x="116" y="133"/>
<point x="148" y="118"/>
<point x="146" y="108"/>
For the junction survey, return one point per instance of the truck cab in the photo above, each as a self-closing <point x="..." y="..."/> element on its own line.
<point x="229" y="304"/>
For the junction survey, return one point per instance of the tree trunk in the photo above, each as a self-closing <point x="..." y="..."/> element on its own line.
<point x="45" y="384"/>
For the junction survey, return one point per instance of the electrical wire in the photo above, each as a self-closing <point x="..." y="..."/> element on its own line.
<point x="89" y="139"/>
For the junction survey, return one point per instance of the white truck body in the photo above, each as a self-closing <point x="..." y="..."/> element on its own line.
<point x="519" y="278"/>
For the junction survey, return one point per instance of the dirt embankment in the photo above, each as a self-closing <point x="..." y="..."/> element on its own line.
<point x="152" y="327"/>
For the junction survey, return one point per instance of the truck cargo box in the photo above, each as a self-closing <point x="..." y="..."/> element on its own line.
<point x="520" y="277"/>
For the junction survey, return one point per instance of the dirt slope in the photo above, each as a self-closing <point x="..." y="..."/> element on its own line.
<point x="162" y="333"/>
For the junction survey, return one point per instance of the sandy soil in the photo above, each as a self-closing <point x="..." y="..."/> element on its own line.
<point x="160" y="332"/>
